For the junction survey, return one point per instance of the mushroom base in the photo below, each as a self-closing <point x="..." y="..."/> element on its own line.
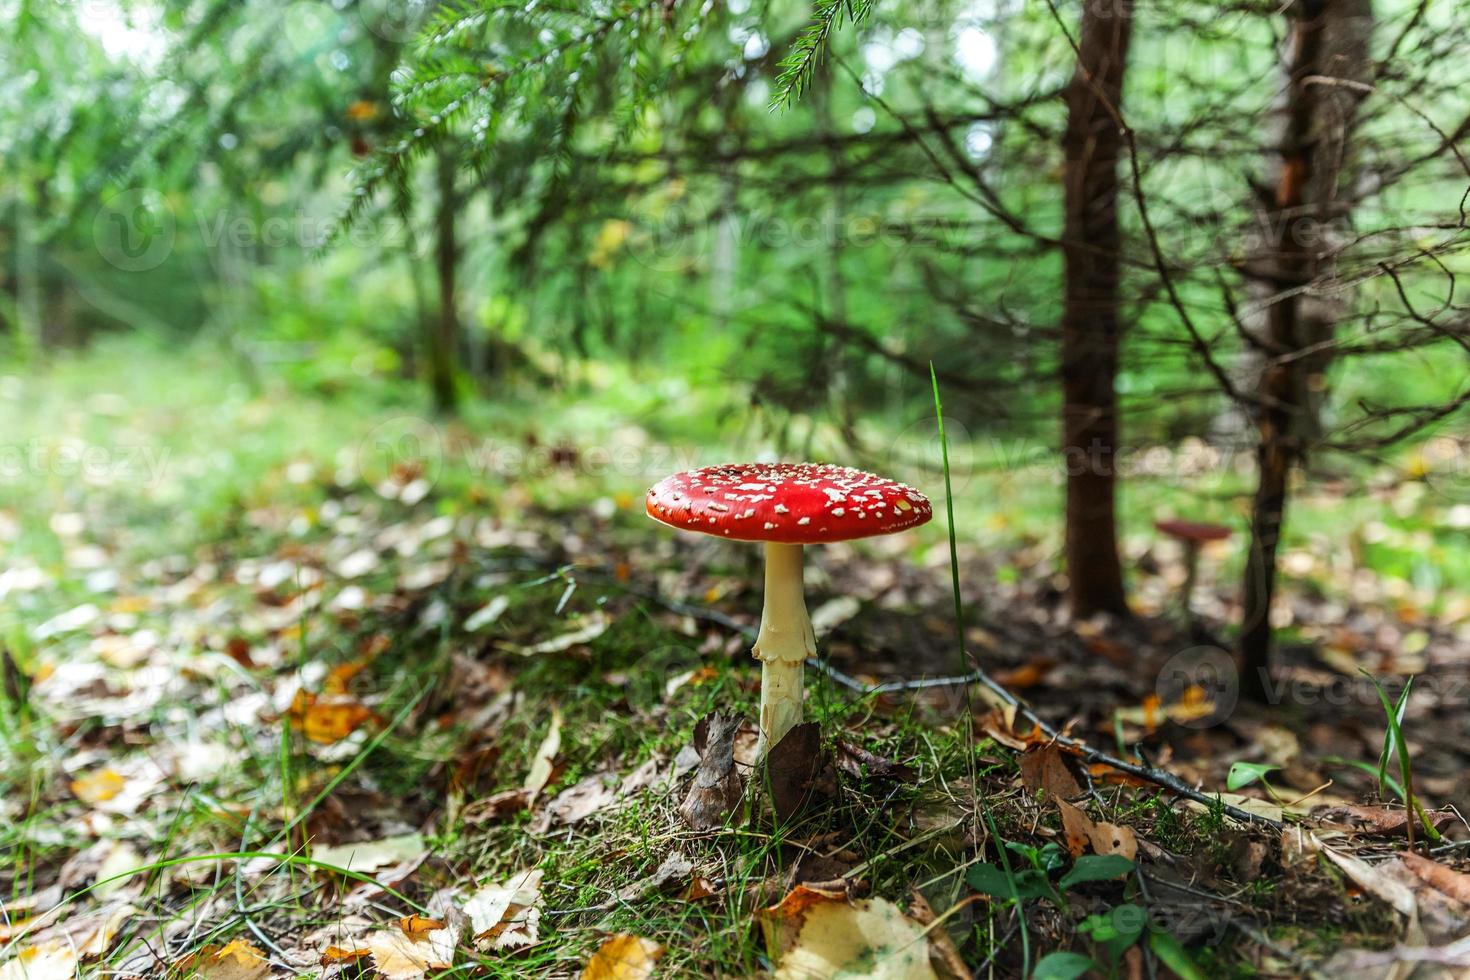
<point x="784" y="642"/>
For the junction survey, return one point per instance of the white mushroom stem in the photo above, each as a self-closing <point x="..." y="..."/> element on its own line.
<point x="784" y="642"/>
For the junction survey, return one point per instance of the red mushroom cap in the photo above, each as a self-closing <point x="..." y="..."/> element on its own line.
<point x="1193" y="530"/>
<point x="792" y="503"/>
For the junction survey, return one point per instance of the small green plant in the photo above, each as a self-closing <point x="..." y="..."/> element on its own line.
<point x="1110" y="933"/>
<point x="1396" y="748"/>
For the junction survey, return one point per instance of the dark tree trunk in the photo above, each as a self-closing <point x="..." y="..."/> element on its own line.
<point x="444" y="332"/>
<point x="1329" y="41"/>
<point x="1090" y="320"/>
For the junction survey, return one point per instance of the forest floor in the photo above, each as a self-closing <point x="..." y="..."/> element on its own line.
<point x="287" y="694"/>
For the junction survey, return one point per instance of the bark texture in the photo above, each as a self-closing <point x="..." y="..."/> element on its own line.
<point x="444" y="332"/>
<point x="1327" y="62"/>
<point x="1091" y="330"/>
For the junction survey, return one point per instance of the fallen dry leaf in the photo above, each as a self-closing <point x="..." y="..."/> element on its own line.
<point x="542" y="765"/>
<point x="365" y="856"/>
<point x="336" y="954"/>
<point x="1372" y="881"/>
<point x="417" y="925"/>
<point x="54" y="960"/>
<point x="1453" y="883"/>
<point x="833" y="613"/>
<point x="115" y="872"/>
<point x="672" y="870"/>
<point x="1000" y="724"/>
<point x="1048" y="768"/>
<point x="1102" y="837"/>
<point x="796" y="771"/>
<point x="98" y="786"/>
<point x="1379" y="821"/>
<point x="328" y="719"/>
<point x="508" y="915"/>
<point x="716" y="789"/>
<point x="623" y="957"/>
<point x="699" y="889"/>
<point x="1027" y="675"/>
<point x="581" y="800"/>
<point x="596" y="626"/>
<point x="497" y="807"/>
<point x="858" y="762"/>
<point x="944" y="956"/>
<point x="237" y="960"/>
<point x="816" y="934"/>
<point x="397" y="956"/>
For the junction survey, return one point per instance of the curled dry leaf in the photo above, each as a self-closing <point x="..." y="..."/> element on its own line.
<point x="674" y="870"/>
<point x="508" y="915"/>
<point x="542" y="765"/>
<point x="497" y="807"/>
<point x="858" y="762"/>
<point x="336" y="954"/>
<point x="623" y="957"/>
<point x="595" y="626"/>
<point x="815" y="934"/>
<point x="716" y="789"/>
<point x="944" y="956"/>
<point x="1372" y="880"/>
<point x="1000" y="724"/>
<point x="1103" y="838"/>
<point x="1446" y="880"/>
<point x="417" y="925"/>
<point x="1376" y="821"/>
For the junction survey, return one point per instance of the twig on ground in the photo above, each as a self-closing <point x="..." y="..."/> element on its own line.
<point x="1152" y="774"/>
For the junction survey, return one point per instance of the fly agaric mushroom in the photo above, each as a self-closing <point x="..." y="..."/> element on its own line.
<point x="786" y="506"/>
<point x="1192" y="535"/>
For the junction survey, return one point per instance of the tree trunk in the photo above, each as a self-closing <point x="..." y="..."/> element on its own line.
<point x="1090" y="319"/>
<point x="444" y="332"/>
<point x="1329" y="42"/>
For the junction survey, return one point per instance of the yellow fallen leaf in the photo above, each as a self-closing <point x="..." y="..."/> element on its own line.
<point x="340" y="676"/>
<point x="417" y="925"/>
<point x="328" y="719"/>
<point x="817" y="934"/>
<point x="97" y="787"/>
<point x="336" y="954"/>
<point x="623" y="957"/>
<point x="237" y="960"/>
<point x="54" y="960"/>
